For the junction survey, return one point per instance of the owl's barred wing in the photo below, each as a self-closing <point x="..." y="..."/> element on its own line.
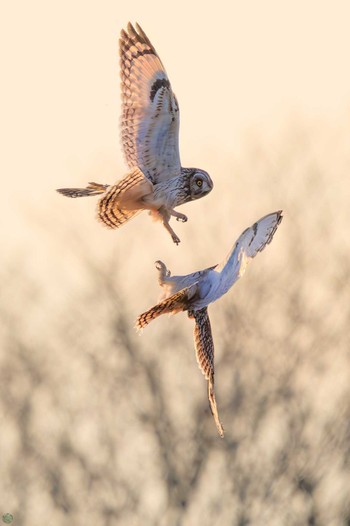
<point x="123" y="200"/>
<point x="203" y="341"/>
<point x="150" y="113"/>
<point x="253" y="240"/>
<point x="176" y="303"/>
<point x="204" y="345"/>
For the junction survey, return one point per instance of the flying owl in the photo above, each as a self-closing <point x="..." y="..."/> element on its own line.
<point x="194" y="292"/>
<point x="150" y="140"/>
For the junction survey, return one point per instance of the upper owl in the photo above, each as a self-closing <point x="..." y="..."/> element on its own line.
<point x="150" y="139"/>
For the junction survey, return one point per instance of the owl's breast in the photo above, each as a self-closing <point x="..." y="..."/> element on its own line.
<point x="171" y="193"/>
<point x="209" y="290"/>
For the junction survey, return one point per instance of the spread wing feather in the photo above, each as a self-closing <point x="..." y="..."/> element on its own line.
<point x="176" y="303"/>
<point x="252" y="241"/>
<point x="150" y="112"/>
<point x="204" y="345"/>
<point x="123" y="200"/>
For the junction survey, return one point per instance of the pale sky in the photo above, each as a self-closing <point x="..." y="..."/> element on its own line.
<point x="235" y="66"/>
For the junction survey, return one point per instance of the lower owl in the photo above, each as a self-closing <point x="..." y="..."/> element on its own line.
<point x="134" y="193"/>
<point x="194" y="292"/>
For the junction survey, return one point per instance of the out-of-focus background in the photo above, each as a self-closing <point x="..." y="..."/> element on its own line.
<point x="100" y="425"/>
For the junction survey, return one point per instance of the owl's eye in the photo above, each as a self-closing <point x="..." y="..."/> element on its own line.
<point x="199" y="182"/>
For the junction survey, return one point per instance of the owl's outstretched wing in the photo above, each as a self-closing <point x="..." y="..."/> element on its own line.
<point x="253" y="240"/>
<point x="204" y="345"/>
<point x="123" y="200"/>
<point x="150" y="112"/>
<point x="176" y="303"/>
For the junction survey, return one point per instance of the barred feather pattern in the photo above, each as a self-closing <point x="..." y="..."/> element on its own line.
<point x="203" y="341"/>
<point x="204" y="345"/>
<point x="176" y="303"/>
<point x="213" y="406"/>
<point x="269" y="233"/>
<point x="91" y="190"/>
<point x="110" y="210"/>
<point x="150" y="112"/>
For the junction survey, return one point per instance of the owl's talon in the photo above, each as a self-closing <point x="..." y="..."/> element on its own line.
<point x="176" y="239"/>
<point x="182" y="218"/>
<point x="161" y="267"/>
<point x="163" y="272"/>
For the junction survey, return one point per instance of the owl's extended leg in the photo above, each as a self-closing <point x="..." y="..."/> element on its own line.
<point x="165" y="217"/>
<point x="178" y="215"/>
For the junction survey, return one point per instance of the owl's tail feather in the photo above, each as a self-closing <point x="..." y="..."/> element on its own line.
<point x="124" y="200"/>
<point x="92" y="189"/>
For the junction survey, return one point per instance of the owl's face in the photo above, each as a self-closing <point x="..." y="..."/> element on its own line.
<point x="200" y="183"/>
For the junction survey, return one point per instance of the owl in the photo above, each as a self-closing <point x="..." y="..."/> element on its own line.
<point x="150" y="121"/>
<point x="194" y="292"/>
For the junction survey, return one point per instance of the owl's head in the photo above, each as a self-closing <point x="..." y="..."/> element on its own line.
<point x="200" y="183"/>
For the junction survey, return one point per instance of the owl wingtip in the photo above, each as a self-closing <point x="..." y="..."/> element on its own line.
<point x="138" y="327"/>
<point x="279" y="214"/>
